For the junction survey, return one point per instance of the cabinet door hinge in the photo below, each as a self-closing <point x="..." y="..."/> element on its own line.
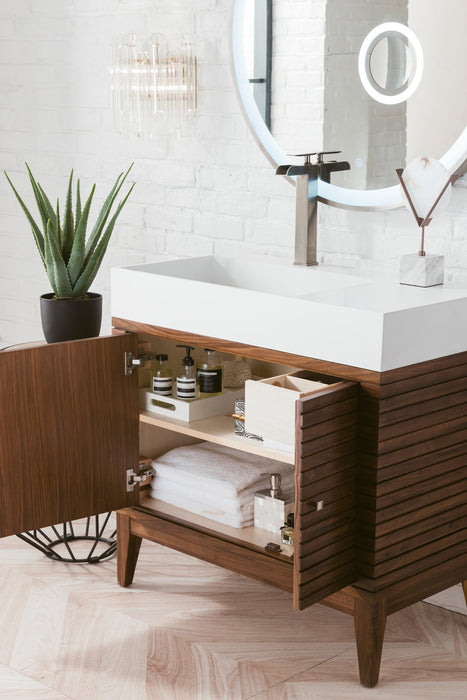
<point x="132" y="478"/>
<point x="132" y="361"/>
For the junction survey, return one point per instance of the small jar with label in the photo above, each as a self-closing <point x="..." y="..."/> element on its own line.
<point x="162" y="376"/>
<point x="209" y="374"/>
<point x="287" y="530"/>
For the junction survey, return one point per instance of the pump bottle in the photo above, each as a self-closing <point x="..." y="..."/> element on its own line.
<point x="209" y="374"/>
<point x="162" y="376"/>
<point x="186" y="376"/>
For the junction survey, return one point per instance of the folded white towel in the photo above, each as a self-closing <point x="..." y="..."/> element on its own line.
<point x="231" y="515"/>
<point x="210" y="467"/>
<point x="216" y="482"/>
<point x="161" y="488"/>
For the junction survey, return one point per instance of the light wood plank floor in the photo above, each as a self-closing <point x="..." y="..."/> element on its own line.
<point x="187" y="630"/>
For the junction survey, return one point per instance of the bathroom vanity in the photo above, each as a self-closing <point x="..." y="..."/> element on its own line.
<point x="383" y="446"/>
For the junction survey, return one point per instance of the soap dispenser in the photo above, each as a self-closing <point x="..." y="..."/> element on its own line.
<point x="209" y="374"/>
<point x="186" y="376"/>
<point x="162" y="376"/>
<point x="271" y="507"/>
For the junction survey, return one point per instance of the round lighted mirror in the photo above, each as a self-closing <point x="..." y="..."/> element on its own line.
<point x="390" y="63"/>
<point x="299" y="85"/>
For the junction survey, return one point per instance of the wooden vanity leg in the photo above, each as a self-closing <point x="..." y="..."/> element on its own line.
<point x="370" y="623"/>
<point x="464" y="588"/>
<point x="128" y="547"/>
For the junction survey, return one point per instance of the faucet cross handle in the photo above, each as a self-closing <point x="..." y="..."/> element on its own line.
<point x="319" y="155"/>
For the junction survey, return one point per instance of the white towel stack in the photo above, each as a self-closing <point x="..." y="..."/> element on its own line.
<point x="215" y="481"/>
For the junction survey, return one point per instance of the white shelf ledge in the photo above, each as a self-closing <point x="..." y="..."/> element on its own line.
<point x="217" y="429"/>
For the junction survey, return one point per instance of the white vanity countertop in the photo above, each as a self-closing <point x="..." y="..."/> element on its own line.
<point x="376" y="325"/>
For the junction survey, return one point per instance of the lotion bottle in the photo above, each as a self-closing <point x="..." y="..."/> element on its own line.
<point x="186" y="376"/>
<point x="162" y="376"/>
<point x="209" y="374"/>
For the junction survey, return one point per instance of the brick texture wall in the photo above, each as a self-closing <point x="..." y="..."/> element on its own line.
<point x="210" y="190"/>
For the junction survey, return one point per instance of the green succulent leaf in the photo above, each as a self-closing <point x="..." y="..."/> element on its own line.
<point x="38" y="236"/>
<point x="67" y="230"/>
<point x="104" y="214"/>
<point x="63" y="287"/>
<point x="92" y="265"/>
<point x="41" y="205"/>
<point x="75" y="263"/>
<point x="49" y="208"/>
<point x="57" y="230"/>
<point x="49" y="262"/>
<point x="78" y="204"/>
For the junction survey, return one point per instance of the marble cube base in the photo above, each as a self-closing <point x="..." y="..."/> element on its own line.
<point x="422" y="270"/>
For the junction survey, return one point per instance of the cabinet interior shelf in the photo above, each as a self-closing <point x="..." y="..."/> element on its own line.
<point x="253" y="537"/>
<point x="217" y="429"/>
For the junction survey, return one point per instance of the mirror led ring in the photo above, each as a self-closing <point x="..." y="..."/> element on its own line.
<point x="370" y="41"/>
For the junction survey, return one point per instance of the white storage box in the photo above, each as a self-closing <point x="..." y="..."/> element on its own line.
<point x="189" y="410"/>
<point x="270" y="406"/>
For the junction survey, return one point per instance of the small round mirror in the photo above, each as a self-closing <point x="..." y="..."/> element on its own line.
<point x="390" y="63"/>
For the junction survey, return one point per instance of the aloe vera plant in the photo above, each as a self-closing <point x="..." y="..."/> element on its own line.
<point x="71" y="261"/>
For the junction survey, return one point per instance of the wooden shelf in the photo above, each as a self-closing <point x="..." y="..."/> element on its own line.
<point x="217" y="429"/>
<point x="254" y="537"/>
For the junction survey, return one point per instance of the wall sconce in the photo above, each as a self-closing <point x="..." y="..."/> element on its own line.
<point x="152" y="82"/>
<point x="426" y="188"/>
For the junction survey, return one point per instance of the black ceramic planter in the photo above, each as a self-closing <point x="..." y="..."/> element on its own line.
<point x="70" y="319"/>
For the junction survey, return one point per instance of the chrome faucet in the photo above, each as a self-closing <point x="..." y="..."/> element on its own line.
<point x="306" y="207"/>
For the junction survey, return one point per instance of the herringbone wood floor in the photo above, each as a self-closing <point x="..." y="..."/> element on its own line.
<point x="187" y="630"/>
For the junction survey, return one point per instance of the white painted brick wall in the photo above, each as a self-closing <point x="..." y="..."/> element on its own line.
<point x="298" y="74"/>
<point x="209" y="191"/>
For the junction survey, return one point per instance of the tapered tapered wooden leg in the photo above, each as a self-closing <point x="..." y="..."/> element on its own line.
<point x="128" y="547"/>
<point x="370" y="623"/>
<point x="464" y="587"/>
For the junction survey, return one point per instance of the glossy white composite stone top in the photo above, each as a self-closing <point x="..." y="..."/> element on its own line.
<point x="321" y="312"/>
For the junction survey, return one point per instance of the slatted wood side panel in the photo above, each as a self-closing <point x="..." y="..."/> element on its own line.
<point x="417" y="477"/>
<point x="324" y="560"/>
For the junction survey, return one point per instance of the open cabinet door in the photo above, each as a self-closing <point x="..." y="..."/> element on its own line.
<point x="326" y="460"/>
<point x="68" y="431"/>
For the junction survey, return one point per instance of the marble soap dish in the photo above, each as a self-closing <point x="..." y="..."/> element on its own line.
<point x="421" y="270"/>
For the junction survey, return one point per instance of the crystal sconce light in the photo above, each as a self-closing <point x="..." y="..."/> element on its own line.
<point x="152" y="81"/>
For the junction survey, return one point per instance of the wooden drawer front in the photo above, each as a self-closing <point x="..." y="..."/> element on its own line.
<point x="415" y="497"/>
<point x="326" y="439"/>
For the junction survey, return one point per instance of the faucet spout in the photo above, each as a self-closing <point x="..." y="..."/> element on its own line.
<point x="306" y="220"/>
<point x="306" y="202"/>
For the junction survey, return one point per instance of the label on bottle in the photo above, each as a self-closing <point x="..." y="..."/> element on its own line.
<point x="210" y="380"/>
<point x="186" y="387"/>
<point x="162" y="385"/>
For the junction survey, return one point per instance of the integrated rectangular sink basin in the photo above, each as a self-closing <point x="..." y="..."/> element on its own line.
<point x="268" y="277"/>
<point x="322" y="312"/>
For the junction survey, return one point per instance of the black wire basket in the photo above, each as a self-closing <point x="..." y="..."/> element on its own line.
<point x="87" y="541"/>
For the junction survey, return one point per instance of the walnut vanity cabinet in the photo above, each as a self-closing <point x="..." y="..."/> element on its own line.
<point x="386" y="453"/>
